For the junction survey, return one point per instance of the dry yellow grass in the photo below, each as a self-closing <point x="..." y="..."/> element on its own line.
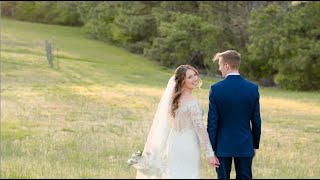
<point x="85" y="119"/>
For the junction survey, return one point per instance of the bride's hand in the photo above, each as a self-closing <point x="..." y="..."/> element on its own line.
<point x="214" y="161"/>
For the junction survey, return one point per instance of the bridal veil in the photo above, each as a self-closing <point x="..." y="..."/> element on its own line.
<point x="152" y="162"/>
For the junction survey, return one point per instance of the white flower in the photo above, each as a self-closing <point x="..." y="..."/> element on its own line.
<point x="134" y="158"/>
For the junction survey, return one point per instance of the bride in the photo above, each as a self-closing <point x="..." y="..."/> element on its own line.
<point x="172" y="149"/>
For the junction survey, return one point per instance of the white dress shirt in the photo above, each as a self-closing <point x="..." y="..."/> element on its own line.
<point x="232" y="74"/>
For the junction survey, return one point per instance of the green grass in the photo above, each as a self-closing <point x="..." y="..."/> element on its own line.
<point x="85" y="118"/>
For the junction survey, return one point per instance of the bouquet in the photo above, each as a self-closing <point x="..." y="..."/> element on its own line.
<point x="134" y="158"/>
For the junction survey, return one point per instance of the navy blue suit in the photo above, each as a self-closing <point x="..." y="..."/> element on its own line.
<point x="234" y="124"/>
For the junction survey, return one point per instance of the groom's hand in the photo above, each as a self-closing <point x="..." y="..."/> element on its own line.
<point x="214" y="161"/>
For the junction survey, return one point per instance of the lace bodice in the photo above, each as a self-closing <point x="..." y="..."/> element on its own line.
<point x="189" y="118"/>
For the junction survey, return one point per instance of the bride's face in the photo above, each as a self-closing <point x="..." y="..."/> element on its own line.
<point x="191" y="80"/>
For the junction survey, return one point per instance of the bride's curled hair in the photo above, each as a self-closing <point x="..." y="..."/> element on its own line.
<point x="180" y="74"/>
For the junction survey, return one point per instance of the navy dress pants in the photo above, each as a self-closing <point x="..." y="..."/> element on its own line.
<point x="242" y="166"/>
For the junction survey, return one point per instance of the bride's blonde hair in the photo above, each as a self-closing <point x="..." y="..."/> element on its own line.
<point x="180" y="74"/>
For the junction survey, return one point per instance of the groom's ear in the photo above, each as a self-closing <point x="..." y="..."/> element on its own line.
<point x="227" y="66"/>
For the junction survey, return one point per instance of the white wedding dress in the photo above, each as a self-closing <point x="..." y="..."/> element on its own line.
<point x="187" y="135"/>
<point x="172" y="149"/>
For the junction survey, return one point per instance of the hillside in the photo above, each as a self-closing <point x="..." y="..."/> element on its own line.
<point x="85" y="116"/>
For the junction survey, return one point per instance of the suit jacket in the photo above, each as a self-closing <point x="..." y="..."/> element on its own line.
<point x="233" y="104"/>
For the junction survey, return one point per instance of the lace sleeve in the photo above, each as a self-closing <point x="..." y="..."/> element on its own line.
<point x="196" y="116"/>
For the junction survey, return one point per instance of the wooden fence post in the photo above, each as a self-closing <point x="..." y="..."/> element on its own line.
<point x="49" y="52"/>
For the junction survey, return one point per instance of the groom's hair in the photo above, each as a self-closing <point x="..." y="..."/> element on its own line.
<point x="231" y="57"/>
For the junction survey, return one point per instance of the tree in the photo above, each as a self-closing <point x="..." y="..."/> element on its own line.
<point x="284" y="44"/>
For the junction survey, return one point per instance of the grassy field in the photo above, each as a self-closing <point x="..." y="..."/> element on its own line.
<point x="85" y="118"/>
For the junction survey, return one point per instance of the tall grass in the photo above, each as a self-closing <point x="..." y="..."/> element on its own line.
<point x="85" y="118"/>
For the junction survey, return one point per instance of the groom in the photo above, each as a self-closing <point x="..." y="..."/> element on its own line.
<point x="233" y="105"/>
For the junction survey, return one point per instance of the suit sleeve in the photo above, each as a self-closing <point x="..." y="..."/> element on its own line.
<point x="212" y="124"/>
<point x="256" y="122"/>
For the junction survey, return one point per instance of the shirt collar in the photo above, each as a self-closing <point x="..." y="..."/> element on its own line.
<point x="232" y="74"/>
